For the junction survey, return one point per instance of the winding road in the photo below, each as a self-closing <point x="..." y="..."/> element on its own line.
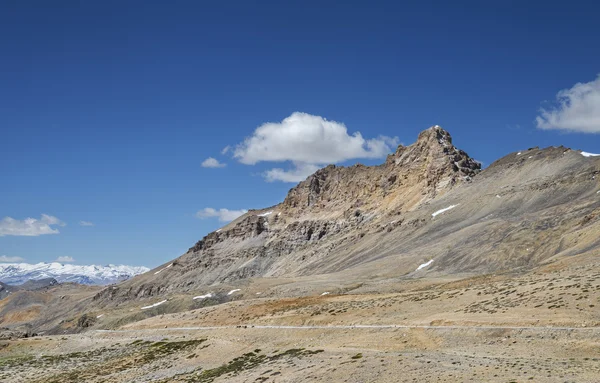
<point x="357" y="327"/>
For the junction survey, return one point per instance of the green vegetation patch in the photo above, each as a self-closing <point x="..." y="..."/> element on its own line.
<point x="14" y="361"/>
<point x="245" y="362"/>
<point x="161" y="349"/>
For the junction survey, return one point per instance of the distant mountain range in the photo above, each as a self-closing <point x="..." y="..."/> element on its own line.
<point x="19" y="273"/>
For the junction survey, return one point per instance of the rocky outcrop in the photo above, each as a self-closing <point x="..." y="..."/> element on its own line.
<point x="18" y="332"/>
<point x="250" y="226"/>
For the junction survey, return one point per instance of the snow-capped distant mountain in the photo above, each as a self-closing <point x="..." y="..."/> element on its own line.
<point x="18" y="273"/>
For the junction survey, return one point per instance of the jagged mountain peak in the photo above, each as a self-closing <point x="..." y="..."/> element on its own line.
<point x="434" y="147"/>
<point x="434" y="136"/>
<point x="435" y="132"/>
<point x="428" y="167"/>
<point x="409" y="177"/>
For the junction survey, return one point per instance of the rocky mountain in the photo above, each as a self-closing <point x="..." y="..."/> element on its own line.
<point x="30" y="285"/>
<point x="4" y="290"/>
<point x="20" y="273"/>
<point x="429" y="209"/>
<point x="429" y="212"/>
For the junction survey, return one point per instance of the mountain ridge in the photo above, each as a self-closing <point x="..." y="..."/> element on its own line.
<point x="369" y="218"/>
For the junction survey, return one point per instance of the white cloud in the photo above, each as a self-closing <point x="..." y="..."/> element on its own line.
<point x="226" y="149"/>
<point x="577" y="109"/>
<point x="212" y="163"/>
<point x="224" y="215"/>
<point x="86" y="223"/>
<point x="30" y="226"/>
<point x="7" y="259"/>
<point x="51" y="220"/>
<point x="309" y="142"/>
<point x="305" y="138"/>
<point x="65" y="259"/>
<point x="298" y="173"/>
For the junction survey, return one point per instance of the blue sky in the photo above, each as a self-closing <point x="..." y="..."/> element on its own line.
<point x="108" y="109"/>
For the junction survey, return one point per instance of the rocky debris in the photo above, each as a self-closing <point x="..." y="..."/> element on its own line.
<point x="86" y="321"/>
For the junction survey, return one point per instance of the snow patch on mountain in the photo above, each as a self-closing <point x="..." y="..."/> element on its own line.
<point x="443" y="210"/>
<point x="586" y="154"/>
<point x="424" y="265"/>
<point x="153" y="305"/>
<point x="19" y="273"/>
<point x="164" y="268"/>
<point x="205" y="296"/>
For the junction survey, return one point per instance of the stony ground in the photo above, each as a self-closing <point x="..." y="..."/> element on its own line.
<point x="541" y="326"/>
<point x="296" y="355"/>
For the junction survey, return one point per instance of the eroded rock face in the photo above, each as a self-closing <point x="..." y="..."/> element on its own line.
<point x="430" y="166"/>
<point x="250" y="226"/>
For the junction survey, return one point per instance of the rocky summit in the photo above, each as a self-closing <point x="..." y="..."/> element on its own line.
<point x="417" y="267"/>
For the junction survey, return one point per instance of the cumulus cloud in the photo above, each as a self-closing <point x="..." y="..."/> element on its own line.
<point x="212" y="163"/>
<point x="224" y="215"/>
<point x="308" y="142"/>
<point x="65" y="259"/>
<point x="86" y="223"/>
<point x="7" y="259"/>
<point x="577" y="109"/>
<point x="30" y="226"/>
<point x="305" y="138"/>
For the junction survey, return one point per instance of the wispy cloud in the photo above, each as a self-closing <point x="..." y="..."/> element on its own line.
<point x="224" y="215"/>
<point x="65" y="259"/>
<point x="308" y="142"/>
<point x="297" y="173"/>
<point x="86" y="223"/>
<point x="212" y="163"/>
<point x="30" y="226"/>
<point x="577" y="109"/>
<point x="7" y="259"/>
<point x="226" y="149"/>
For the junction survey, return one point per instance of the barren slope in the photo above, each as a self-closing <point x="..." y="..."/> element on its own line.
<point x="426" y="203"/>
